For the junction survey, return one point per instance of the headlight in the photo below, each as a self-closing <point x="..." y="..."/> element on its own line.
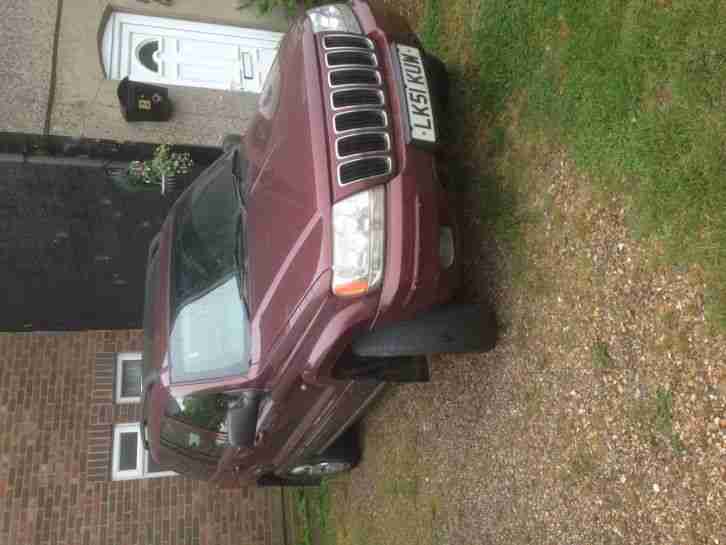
<point x="334" y="17"/>
<point x="359" y="242"/>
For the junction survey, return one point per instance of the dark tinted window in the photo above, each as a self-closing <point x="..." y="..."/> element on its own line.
<point x="131" y="378"/>
<point x="128" y="450"/>
<point x="196" y="424"/>
<point x="193" y="443"/>
<point x="207" y="411"/>
<point x="205" y="238"/>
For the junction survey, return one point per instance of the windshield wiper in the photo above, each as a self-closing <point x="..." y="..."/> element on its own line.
<point x="240" y="250"/>
<point x="238" y="180"/>
<point x="240" y="257"/>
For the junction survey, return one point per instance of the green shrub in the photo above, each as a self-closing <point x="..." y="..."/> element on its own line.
<point x="265" y="6"/>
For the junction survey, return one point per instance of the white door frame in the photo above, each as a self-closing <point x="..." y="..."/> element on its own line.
<point x="117" y="51"/>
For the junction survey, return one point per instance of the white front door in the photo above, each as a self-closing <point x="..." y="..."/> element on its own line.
<point x="176" y="52"/>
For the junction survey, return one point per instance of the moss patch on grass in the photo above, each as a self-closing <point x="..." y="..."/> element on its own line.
<point x="653" y="417"/>
<point x="601" y="358"/>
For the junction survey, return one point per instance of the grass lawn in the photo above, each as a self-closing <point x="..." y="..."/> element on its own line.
<point x="635" y="91"/>
<point x="311" y="523"/>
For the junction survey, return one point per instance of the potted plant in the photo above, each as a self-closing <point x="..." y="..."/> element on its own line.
<point x="161" y="169"/>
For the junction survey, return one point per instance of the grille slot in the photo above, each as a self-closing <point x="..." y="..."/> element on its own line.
<point x="354" y="76"/>
<point x="351" y="57"/>
<point x="360" y="119"/>
<point x="361" y="169"/>
<point x="356" y="144"/>
<point x="357" y="97"/>
<point x="343" y="40"/>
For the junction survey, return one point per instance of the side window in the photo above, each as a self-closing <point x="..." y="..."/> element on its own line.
<point x="197" y="424"/>
<point x="206" y="411"/>
<point x="129" y="458"/>
<point x="128" y="377"/>
<point x="199" y="444"/>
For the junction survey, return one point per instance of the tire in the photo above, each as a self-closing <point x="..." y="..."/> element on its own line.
<point x="440" y="83"/>
<point x="346" y="446"/>
<point x="448" y="329"/>
<point x="343" y="455"/>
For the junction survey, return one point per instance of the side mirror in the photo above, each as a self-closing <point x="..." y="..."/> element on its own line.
<point x="242" y="420"/>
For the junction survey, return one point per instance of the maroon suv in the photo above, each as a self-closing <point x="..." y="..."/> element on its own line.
<point x="309" y="265"/>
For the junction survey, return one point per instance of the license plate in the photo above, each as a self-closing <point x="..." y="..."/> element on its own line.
<point x="418" y="96"/>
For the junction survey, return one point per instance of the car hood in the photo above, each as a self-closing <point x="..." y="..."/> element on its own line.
<point x="288" y="192"/>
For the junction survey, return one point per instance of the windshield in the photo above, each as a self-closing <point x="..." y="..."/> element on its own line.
<point x="210" y="331"/>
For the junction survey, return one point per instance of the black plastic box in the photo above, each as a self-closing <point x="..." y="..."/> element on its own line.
<point x="143" y="102"/>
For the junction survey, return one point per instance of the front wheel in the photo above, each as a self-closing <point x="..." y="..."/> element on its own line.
<point x="343" y="455"/>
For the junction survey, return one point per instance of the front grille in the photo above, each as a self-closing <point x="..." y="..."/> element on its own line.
<point x="357" y="97"/>
<point x="362" y="169"/>
<point x="333" y="41"/>
<point x="360" y="119"/>
<point x="351" y="57"/>
<point x="354" y="76"/>
<point x="367" y="142"/>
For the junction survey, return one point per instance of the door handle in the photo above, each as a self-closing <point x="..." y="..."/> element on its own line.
<point x="248" y="70"/>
